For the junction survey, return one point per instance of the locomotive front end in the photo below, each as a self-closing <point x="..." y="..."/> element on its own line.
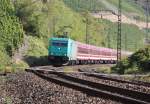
<point x="58" y="48"/>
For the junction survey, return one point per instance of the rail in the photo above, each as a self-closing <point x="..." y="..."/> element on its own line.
<point x="93" y="88"/>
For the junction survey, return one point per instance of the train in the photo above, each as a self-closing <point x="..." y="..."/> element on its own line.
<point x="65" y="51"/>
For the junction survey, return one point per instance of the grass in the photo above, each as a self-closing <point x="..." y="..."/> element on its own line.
<point x="142" y="78"/>
<point x="56" y="17"/>
<point x="128" y="6"/>
<point x="130" y="34"/>
<point x="98" y="31"/>
<point x="62" y="19"/>
<point x="69" y="69"/>
<point x="146" y="78"/>
<point x="130" y="9"/>
<point x="84" y="5"/>
<point x="4" y="61"/>
<point x="104" y="69"/>
<point x="67" y="20"/>
<point x="8" y="100"/>
<point x="19" y="66"/>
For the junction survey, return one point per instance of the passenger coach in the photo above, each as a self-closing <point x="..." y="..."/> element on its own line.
<point x="67" y="51"/>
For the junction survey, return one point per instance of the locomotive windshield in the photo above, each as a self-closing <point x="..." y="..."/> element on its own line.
<point x="60" y="43"/>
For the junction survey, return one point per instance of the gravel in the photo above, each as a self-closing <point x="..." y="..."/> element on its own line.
<point x="27" y="88"/>
<point x="139" y="88"/>
<point x="2" y="91"/>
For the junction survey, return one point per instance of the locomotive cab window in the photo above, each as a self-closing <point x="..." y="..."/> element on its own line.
<point x="60" y="44"/>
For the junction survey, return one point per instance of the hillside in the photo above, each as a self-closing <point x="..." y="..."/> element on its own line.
<point x="64" y="19"/>
<point x="129" y="7"/>
<point x="114" y="18"/>
<point x="143" y="4"/>
<point x="41" y="20"/>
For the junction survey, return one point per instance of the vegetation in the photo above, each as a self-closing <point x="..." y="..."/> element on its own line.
<point x="11" y="32"/>
<point x="4" y="60"/>
<point x="85" y="5"/>
<point x="130" y="35"/>
<point x="129" y="7"/>
<point x="55" y="17"/>
<point x="136" y="63"/>
<point x="40" y="20"/>
<point x="37" y="52"/>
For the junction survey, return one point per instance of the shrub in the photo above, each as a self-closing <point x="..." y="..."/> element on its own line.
<point x="4" y="60"/>
<point x="11" y="31"/>
<point x="138" y="62"/>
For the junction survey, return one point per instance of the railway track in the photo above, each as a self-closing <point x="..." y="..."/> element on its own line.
<point x="135" y="82"/>
<point x="95" y="74"/>
<point x="93" y="88"/>
<point x="2" y="74"/>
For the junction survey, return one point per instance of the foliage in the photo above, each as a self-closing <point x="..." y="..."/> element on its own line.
<point x="55" y="18"/>
<point x="19" y="66"/>
<point x="84" y="5"/>
<point x="130" y="35"/>
<point x="43" y="20"/>
<point x="11" y="32"/>
<point x="34" y="17"/>
<point x="37" y="53"/>
<point x="4" y="61"/>
<point x="138" y="62"/>
<point x="6" y="7"/>
<point x="37" y="47"/>
<point x="141" y="59"/>
<point x="130" y="8"/>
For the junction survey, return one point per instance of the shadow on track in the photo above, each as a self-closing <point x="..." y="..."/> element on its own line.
<point x="37" y="61"/>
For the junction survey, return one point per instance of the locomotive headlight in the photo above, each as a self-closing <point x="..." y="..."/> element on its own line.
<point x="51" y="53"/>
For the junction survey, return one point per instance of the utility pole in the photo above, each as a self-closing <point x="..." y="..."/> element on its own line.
<point x="87" y="24"/>
<point x="147" y="19"/>
<point x="78" y="5"/>
<point x="108" y="38"/>
<point x="125" y="41"/>
<point x="91" y="5"/>
<point x="54" y="23"/>
<point x="70" y="3"/>
<point x="119" y="35"/>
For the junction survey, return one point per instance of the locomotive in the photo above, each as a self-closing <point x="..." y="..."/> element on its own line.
<point x="63" y="51"/>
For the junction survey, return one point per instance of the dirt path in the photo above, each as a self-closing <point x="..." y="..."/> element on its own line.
<point x="22" y="50"/>
<point x="125" y="19"/>
<point x="114" y="18"/>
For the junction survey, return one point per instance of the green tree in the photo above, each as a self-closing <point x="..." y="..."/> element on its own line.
<point x="11" y="31"/>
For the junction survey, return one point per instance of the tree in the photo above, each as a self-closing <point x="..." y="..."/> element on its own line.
<point x="11" y="31"/>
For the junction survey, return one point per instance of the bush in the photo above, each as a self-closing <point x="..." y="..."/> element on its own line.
<point x="37" y="53"/>
<point x="11" y="31"/>
<point x="4" y="60"/>
<point x="19" y="66"/>
<point x="141" y="58"/>
<point x="138" y="62"/>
